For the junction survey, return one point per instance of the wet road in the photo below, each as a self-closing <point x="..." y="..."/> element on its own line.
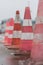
<point x="7" y="59"/>
<point x="5" y="56"/>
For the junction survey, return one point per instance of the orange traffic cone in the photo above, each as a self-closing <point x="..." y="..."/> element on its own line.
<point x="27" y="32"/>
<point x="17" y="30"/>
<point x="37" y="50"/>
<point x="9" y="32"/>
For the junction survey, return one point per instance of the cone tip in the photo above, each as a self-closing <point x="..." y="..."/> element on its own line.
<point x="27" y="14"/>
<point x="17" y="12"/>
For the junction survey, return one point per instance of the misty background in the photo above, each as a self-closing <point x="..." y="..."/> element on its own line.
<point x="8" y="8"/>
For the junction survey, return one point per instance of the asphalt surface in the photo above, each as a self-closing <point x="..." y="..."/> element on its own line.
<point x="6" y="56"/>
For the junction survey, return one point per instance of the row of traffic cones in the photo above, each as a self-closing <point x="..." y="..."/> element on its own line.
<point x="25" y="41"/>
<point x="17" y="35"/>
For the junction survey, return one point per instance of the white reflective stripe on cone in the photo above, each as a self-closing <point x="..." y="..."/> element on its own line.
<point x="6" y="34"/>
<point x="17" y="34"/>
<point x="38" y="38"/>
<point x="10" y="35"/>
<point x="27" y="22"/>
<point x="17" y="22"/>
<point x="27" y="36"/>
<point x="9" y="28"/>
<point x="39" y="22"/>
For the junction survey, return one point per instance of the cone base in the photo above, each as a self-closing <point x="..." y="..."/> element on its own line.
<point x="26" y="45"/>
<point x="37" y="52"/>
<point x="16" y="41"/>
<point x="16" y="47"/>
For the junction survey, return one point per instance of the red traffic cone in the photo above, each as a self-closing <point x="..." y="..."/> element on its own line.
<point x="17" y="30"/>
<point x="27" y="32"/>
<point x="37" y="50"/>
<point x="9" y="32"/>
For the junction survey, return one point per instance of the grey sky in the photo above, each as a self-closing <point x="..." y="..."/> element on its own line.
<point x="8" y="8"/>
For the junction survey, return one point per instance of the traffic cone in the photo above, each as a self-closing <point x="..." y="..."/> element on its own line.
<point x="27" y="32"/>
<point x="9" y="32"/>
<point x="37" y="49"/>
<point x="17" y="30"/>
